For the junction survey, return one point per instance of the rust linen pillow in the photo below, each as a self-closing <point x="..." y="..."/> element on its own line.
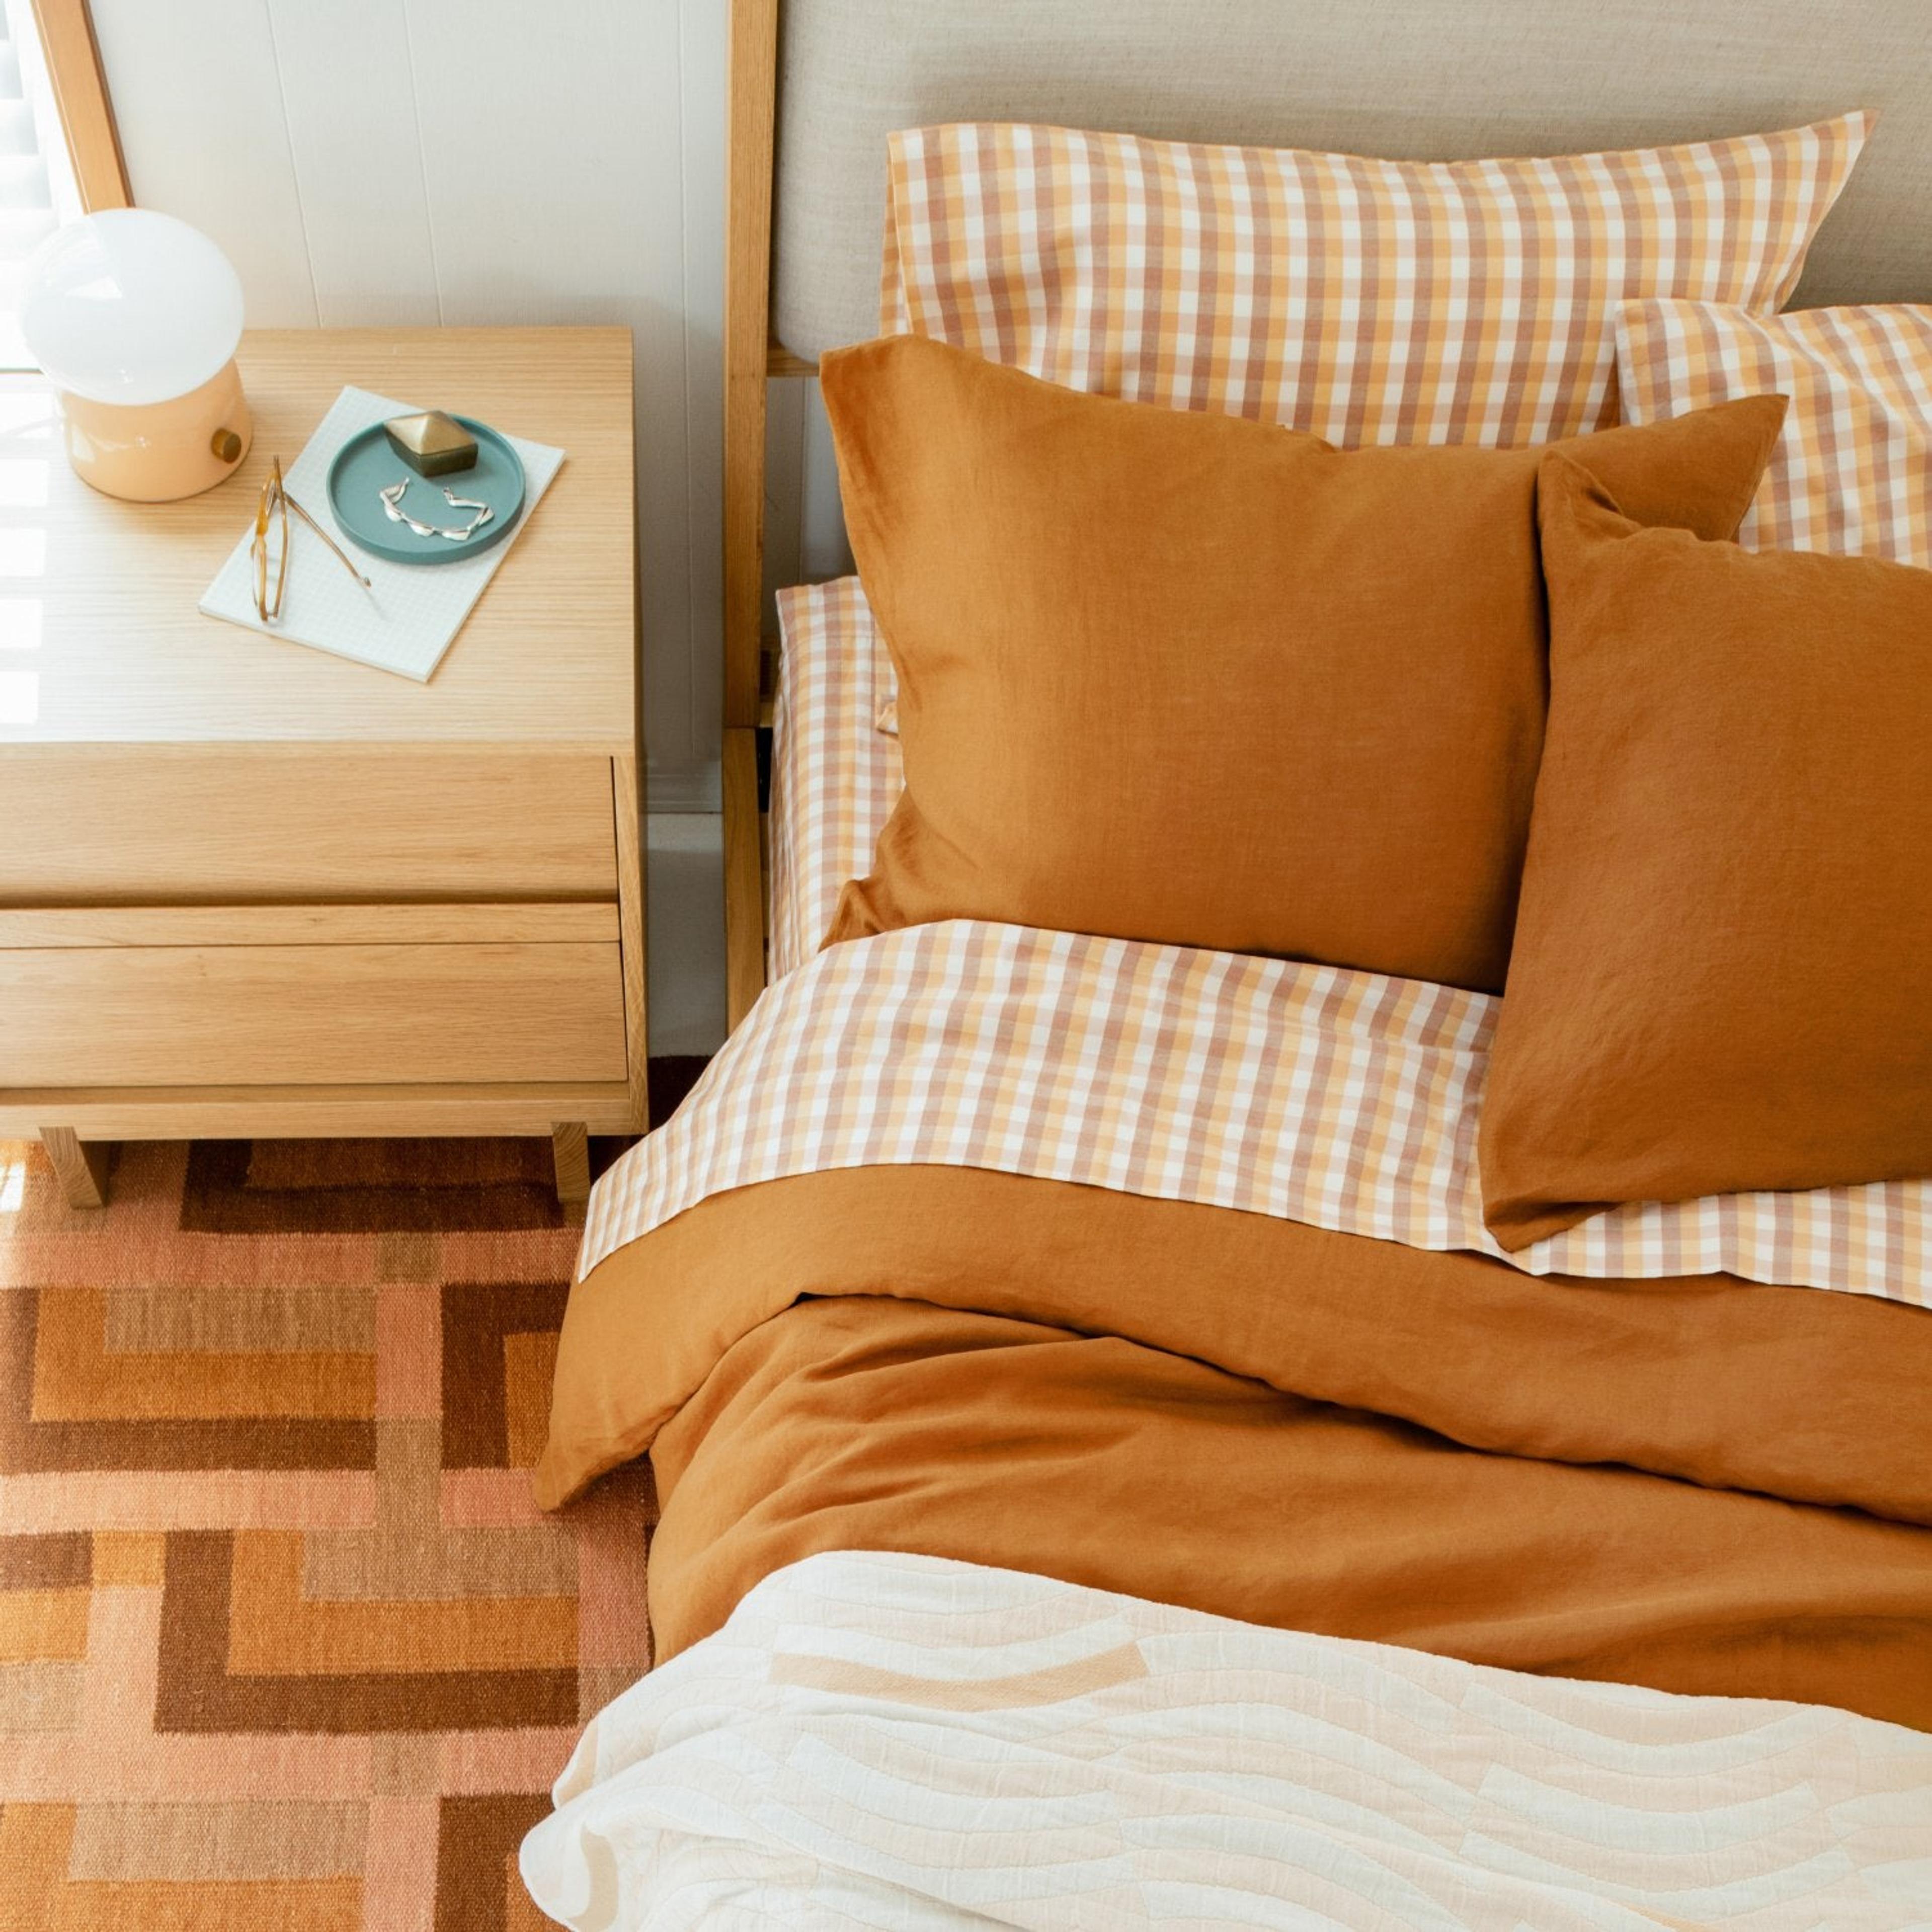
<point x="1183" y="677"/>
<point x="1723" y="974"/>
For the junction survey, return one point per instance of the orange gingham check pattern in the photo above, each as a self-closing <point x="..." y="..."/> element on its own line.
<point x="1346" y="1100"/>
<point x="835" y="776"/>
<point x="1368" y="301"/>
<point x="1852" y="471"/>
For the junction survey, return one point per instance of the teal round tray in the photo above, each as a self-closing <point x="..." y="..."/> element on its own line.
<point x="366" y="465"/>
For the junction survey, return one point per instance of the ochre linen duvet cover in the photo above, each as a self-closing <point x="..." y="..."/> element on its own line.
<point x="1696" y="1485"/>
<point x="1692" y="1483"/>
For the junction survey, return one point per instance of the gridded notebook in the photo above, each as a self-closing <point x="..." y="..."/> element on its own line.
<point x="411" y="616"/>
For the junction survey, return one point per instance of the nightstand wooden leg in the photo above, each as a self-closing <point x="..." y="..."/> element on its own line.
<point x="570" y="1148"/>
<point x="82" y="1169"/>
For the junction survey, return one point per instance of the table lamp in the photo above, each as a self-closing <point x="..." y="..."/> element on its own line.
<point x="136" y="317"/>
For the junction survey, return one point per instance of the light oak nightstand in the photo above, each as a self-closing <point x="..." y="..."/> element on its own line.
<point x="248" y="889"/>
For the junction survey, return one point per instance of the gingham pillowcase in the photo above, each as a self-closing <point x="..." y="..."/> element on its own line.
<point x="1852" y="471"/>
<point x="1368" y="301"/>
<point x="835" y="775"/>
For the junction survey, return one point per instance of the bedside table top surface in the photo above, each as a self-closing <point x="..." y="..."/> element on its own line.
<point x="101" y="642"/>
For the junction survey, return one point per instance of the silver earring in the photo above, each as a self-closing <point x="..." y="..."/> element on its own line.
<point x="392" y="507"/>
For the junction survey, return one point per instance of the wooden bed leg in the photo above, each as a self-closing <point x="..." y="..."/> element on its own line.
<point x="82" y="1169"/>
<point x="570" y="1148"/>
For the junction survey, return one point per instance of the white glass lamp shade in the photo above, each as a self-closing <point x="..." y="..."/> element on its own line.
<point x="130" y="307"/>
<point x="136" y="317"/>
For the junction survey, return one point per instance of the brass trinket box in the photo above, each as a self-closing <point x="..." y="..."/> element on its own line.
<point x="432" y="444"/>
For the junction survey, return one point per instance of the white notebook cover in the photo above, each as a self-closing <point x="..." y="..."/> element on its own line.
<point x="411" y="616"/>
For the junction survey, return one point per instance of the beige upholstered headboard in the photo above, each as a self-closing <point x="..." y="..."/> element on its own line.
<point x="1410" y="79"/>
<point x="816" y="85"/>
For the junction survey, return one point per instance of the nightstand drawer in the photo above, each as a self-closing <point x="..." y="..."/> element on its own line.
<point x="230" y="824"/>
<point x="352" y="1000"/>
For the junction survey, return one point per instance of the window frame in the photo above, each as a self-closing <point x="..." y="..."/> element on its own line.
<point x="72" y="57"/>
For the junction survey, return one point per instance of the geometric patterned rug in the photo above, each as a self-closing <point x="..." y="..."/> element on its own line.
<point x="284" y="1643"/>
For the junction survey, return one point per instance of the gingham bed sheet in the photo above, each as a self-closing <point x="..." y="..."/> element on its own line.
<point x="835" y="775"/>
<point x="1345" y="1100"/>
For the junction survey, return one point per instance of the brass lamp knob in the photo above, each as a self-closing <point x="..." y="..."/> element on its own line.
<point x="226" y="444"/>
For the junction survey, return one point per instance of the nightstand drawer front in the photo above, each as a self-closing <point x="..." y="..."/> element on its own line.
<point x="207" y="1016"/>
<point x="40" y="928"/>
<point x="235" y="824"/>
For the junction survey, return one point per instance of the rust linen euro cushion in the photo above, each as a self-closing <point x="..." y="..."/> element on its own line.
<point x="1177" y="677"/>
<point x="1369" y="301"/>
<point x="1723" y="973"/>
<point x="1853" y="472"/>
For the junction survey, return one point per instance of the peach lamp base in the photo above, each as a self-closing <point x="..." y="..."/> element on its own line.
<point x="155" y="452"/>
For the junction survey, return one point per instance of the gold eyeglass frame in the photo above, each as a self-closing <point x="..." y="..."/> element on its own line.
<point x="276" y="503"/>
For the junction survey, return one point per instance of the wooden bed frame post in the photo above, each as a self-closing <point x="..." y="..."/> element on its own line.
<point x="750" y="128"/>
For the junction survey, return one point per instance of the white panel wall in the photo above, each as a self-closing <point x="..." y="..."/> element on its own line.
<point x="419" y="161"/>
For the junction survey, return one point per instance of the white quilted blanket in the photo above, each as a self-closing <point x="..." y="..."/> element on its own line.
<point x="908" y="1743"/>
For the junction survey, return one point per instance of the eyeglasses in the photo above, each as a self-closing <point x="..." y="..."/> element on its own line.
<point x="269" y="551"/>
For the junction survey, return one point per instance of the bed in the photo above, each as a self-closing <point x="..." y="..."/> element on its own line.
<point x="1118" y="1464"/>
